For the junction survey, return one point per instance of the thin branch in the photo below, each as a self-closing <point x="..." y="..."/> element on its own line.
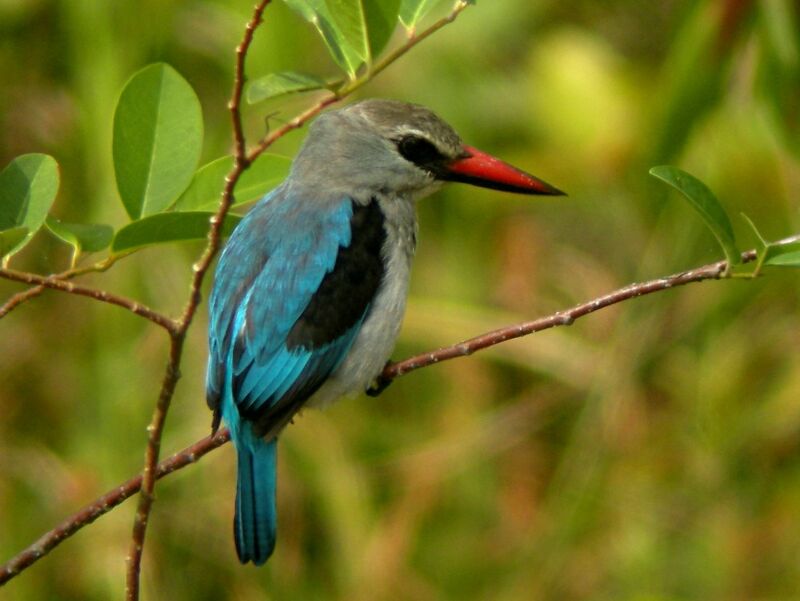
<point x="201" y="267"/>
<point x="19" y="298"/>
<point x="241" y="162"/>
<point x="56" y="283"/>
<point x="567" y="317"/>
<point x="413" y="40"/>
<point x="712" y="271"/>
<point x="349" y="87"/>
<point x="104" y="504"/>
<point x="153" y="470"/>
<point x="26" y="295"/>
<point x="180" y="460"/>
<point x="146" y="498"/>
<point x="295" y="123"/>
<point x="178" y="329"/>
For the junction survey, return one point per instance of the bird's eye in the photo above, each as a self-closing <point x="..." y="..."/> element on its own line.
<point x="418" y="150"/>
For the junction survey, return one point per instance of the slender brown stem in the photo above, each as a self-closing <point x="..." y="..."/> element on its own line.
<point x="561" y="318"/>
<point x="241" y="162"/>
<point x="153" y="470"/>
<point x="146" y="496"/>
<point x="349" y="87"/>
<point x="56" y="283"/>
<point x="26" y="295"/>
<point x="172" y="374"/>
<point x="179" y="328"/>
<point x="105" y="503"/>
<point x="414" y="39"/>
<point x="712" y="271"/>
<point x="295" y="123"/>
<point x="19" y="298"/>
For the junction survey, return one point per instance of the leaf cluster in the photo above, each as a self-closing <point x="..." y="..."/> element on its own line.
<point x="158" y="141"/>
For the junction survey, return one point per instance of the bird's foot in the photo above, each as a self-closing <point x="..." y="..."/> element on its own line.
<point x="216" y="421"/>
<point x="381" y="383"/>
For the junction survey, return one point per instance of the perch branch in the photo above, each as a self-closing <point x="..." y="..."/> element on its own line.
<point x="172" y="373"/>
<point x="21" y="297"/>
<point x="349" y="87"/>
<point x="241" y="162"/>
<point x="56" y="283"/>
<point x="104" y="504"/>
<point x="394" y="370"/>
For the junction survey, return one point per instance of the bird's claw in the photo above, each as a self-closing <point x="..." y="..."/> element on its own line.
<point x="381" y="383"/>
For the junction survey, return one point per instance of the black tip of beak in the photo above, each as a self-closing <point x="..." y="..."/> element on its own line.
<point x="486" y="171"/>
<point x="534" y="187"/>
<point x="543" y="189"/>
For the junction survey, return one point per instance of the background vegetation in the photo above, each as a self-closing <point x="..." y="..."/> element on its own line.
<point x="650" y="452"/>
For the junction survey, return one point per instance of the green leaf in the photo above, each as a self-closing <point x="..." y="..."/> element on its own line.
<point x="317" y="13"/>
<point x="28" y="187"/>
<point x="285" y="82"/>
<point x="305" y="8"/>
<point x="783" y="255"/>
<point x="158" y="134"/>
<point x="168" y="227"/>
<point x="412" y="11"/>
<point x="365" y="25"/>
<point x="381" y="16"/>
<point x="84" y="237"/>
<point x="705" y="203"/>
<point x="10" y="239"/>
<point x="350" y="20"/>
<point x="204" y="193"/>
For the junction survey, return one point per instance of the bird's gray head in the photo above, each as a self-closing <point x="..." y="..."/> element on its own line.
<point x="378" y="146"/>
<point x="396" y="149"/>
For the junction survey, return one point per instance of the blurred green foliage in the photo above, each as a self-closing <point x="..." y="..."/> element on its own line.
<point x="650" y="452"/>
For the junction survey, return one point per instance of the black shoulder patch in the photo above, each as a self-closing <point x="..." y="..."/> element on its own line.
<point x="346" y="290"/>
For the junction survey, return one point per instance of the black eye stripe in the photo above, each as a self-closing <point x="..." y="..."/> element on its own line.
<point x="419" y="151"/>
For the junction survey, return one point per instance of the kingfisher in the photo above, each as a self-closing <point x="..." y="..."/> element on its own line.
<point x="310" y="289"/>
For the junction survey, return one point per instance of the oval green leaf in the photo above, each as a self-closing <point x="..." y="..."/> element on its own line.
<point x="365" y="25"/>
<point x="350" y="20"/>
<point x="9" y="239"/>
<point x="706" y="204"/>
<point x="783" y="255"/>
<point x="168" y="227"/>
<point x="28" y="187"/>
<point x="285" y="82"/>
<point x="204" y="193"/>
<point x="317" y="13"/>
<point x="158" y="135"/>
<point x="84" y="237"/>
<point x="412" y="11"/>
<point x="381" y="16"/>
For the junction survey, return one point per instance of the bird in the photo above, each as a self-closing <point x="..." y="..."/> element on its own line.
<point x="310" y="289"/>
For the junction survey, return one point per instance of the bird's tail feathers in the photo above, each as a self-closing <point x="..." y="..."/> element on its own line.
<point x="255" y="521"/>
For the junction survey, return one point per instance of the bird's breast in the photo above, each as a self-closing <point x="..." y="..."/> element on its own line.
<point x="376" y="339"/>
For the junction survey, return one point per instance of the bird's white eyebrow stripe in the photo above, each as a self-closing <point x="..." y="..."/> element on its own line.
<point x="416" y="132"/>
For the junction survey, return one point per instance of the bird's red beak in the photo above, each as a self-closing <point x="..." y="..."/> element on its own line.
<point x="481" y="169"/>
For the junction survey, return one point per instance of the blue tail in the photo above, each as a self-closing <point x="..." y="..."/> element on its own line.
<point x="255" y="520"/>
